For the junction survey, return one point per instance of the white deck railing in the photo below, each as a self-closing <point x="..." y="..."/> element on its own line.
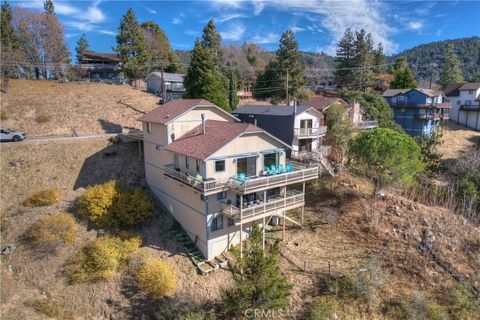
<point x="310" y="132"/>
<point x="254" y="183"/>
<point x="293" y="197"/>
<point x="200" y="184"/>
<point x="367" y="124"/>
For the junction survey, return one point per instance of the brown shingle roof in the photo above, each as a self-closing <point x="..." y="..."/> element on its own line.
<point x="394" y="92"/>
<point x="92" y="55"/>
<point x="322" y="102"/>
<point x="452" y="89"/>
<point x="172" y="110"/>
<point x="217" y="134"/>
<point x="470" y="86"/>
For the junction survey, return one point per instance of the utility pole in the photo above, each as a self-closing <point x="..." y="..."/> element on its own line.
<point x="431" y="74"/>
<point x="287" y="95"/>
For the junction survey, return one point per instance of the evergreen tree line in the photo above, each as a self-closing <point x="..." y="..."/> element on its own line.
<point x="357" y="62"/>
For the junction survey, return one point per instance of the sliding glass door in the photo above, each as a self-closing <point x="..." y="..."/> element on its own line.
<point x="247" y="166"/>
<point x="270" y="159"/>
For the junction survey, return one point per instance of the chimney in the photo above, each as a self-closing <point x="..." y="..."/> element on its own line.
<point x="203" y="123"/>
<point x="294" y="107"/>
<point x="255" y="121"/>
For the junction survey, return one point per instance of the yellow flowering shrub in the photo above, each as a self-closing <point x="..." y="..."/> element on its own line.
<point x="54" y="230"/>
<point x="43" y="198"/>
<point x="157" y="277"/>
<point x="114" y="205"/>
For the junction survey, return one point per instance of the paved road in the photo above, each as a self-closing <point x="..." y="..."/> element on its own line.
<point x="32" y="139"/>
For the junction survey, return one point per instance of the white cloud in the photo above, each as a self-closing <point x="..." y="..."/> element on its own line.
<point x="235" y="33"/>
<point x="94" y="14"/>
<point x="258" y="6"/>
<point x="192" y="33"/>
<point x="107" y="32"/>
<point x="228" y="17"/>
<point x="439" y="32"/>
<point x="297" y="29"/>
<point x="425" y="9"/>
<point x="80" y="25"/>
<point x="336" y="16"/>
<point x="227" y="3"/>
<point x="177" y="21"/>
<point x="152" y="11"/>
<point x="266" y="38"/>
<point x="415" y="25"/>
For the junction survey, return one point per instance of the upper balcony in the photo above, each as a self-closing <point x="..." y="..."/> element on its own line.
<point x="280" y="178"/>
<point x="258" y="209"/>
<point x="314" y="155"/>
<point x="305" y="133"/>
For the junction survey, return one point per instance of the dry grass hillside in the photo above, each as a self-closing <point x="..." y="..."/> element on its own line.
<point x="420" y="250"/>
<point x="457" y="139"/>
<point x="53" y="108"/>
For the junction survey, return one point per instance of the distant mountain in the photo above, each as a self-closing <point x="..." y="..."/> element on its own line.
<point x="421" y="57"/>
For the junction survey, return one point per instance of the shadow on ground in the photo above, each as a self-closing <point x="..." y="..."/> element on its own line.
<point x="118" y="161"/>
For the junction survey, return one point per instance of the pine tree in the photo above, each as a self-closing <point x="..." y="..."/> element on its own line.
<point x="259" y="283"/>
<point x="288" y="58"/>
<point x="132" y="47"/>
<point x="159" y="48"/>
<point x="203" y="80"/>
<point x="379" y="60"/>
<point x="49" y="7"/>
<point x="232" y="91"/>
<point x="363" y="58"/>
<point x="452" y="70"/>
<point x="82" y="46"/>
<point x="403" y="75"/>
<point x="345" y="59"/>
<point x="212" y="40"/>
<point x="8" y="44"/>
<point x="268" y="83"/>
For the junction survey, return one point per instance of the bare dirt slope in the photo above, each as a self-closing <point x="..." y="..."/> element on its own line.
<point x="457" y="139"/>
<point x="53" y="108"/>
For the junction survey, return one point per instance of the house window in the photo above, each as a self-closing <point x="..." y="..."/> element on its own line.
<point x="468" y="102"/>
<point x="197" y="164"/>
<point x="230" y="222"/>
<point x="458" y="102"/>
<point x="269" y="160"/>
<point x="247" y="166"/>
<point x="186" y="162"/>
<point x="149" y="127"/>
<point x="470" y="91"/>
<point x="400" y="98"/>
<point x="221" y="195"/>
<point x="220" y="166"/>
<point x="217" y="223"/>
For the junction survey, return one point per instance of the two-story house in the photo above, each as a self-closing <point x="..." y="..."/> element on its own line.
<point x="217" y="176"/>
<point x="100" y="66"/>
<point x="418" y="111"/>
<point x="465" y="100"/>
<point x="300" y="127"/>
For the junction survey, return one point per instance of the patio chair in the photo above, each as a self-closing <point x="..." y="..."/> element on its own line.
<point x="273" y="169"/>
<point x="242" y="176"/>
<point x="289" y="167"/>
<point x="280" y="169"/>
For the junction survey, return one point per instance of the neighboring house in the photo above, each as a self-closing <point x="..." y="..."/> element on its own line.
<point x="322" y="103"/>
<point x="170" y="86"/>
<point x="418" y="111"/>
<point x="100" y="66"/>
<point x="298" y="126"/>
<point x="216" y="176"/>
<point x="358" y="117"/>
<point x="383" y="82"/>
<point x="244" y="95"/>
<point x="465" y="100"/>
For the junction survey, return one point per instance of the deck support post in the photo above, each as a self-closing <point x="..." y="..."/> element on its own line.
<point x="284" y="211"/>
<point x="241" y="226"/>
<point x="263" y="235"/>
<point x="303" y="207"/>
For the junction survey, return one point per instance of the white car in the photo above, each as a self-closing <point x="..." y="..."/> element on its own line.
<point x="11" y="135"/>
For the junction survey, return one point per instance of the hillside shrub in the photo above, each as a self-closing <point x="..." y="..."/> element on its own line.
<point x="3" y="115"/>
<point x="44" y="117"/>
<point x="198" y="315"/>
<point x="54" y="230"/>
<point x="399" y="309"/>
<point x="462" y="303"/>
<point x="157" y="278"/>
<point x="436" y="311"/>
<point x="102" y="259"/>
<point x="324" y="307"/>
<point x="114" y="205"/>
<point x="48" y="307"/>
<point x="42" y="198"/>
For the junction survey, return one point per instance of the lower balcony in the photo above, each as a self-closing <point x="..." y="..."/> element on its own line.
<point x="315" y="155"/>
<point x="301" y="133"/>
<point x="258" y="209"/>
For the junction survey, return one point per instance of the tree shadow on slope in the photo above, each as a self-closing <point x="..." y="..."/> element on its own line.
<point x="119" y="161"/>
<point x="110" y="127"/>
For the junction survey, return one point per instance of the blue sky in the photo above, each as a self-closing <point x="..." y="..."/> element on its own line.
<point x="318" y="24"/>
